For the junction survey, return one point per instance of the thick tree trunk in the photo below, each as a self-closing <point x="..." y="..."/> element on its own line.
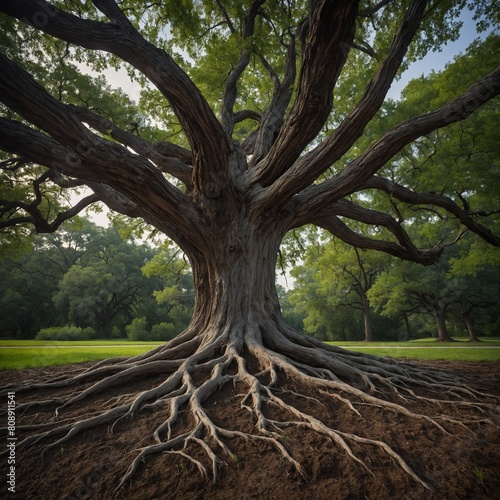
<point x="442" y="331"/>
<point x="234" y="282"/>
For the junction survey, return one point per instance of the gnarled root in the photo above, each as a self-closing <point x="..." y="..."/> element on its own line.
<point x="265" y="371"/>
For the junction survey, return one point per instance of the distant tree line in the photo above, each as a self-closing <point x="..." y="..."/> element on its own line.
<point x="343" y="293"/>
<point x="92" y="282"/>
<point x="88" y="281"/>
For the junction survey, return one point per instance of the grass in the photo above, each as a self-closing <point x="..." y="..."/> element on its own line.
<point x="37" y="353"/>
<point x="101" y="342"/>
<point x="461" y="350"/>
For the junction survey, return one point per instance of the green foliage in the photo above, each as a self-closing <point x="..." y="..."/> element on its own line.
<point x="331" y="289"/>
<point x="462" y="162"/>
<point x="138" y="329"/>
<point x="163" y="331"/>
<point x="89" y="277"/>
<point x="67" y="332"/>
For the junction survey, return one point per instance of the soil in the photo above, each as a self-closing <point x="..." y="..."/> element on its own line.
<point x="463" y="464"/>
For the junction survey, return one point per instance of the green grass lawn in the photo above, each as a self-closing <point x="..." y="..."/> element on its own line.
<point x="15" y="354"/>
<point x="461" y="350"/>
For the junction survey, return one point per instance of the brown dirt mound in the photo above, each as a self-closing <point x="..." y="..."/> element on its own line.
<point x="460" y="465"/>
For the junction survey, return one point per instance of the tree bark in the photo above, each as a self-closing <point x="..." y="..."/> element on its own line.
<point x="235" y="280"/>
<point x="470" y="327"/>
<point x="367" y="317"/>
<point x="440" y="317"/>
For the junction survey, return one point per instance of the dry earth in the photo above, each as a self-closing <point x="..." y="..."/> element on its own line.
<point x="459" y="465"/>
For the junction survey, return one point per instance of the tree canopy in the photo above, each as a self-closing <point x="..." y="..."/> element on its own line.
<point x="89" y="277"/>
<point x="292" y="124"/>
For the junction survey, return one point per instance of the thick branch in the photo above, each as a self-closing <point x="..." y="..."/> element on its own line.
<point x="165" y="162"/>
<point x="115" y="201"/>
<point x="209" y="143"/>
<point x="247" y="114"/>
<point x="348" y="209"/>
<point x="339" y="229"/>
<point x="354" y="176"/>
<point x="91" y="157"/>
<point x="313" y="164"/>
<point x="37" y="147"/>
<point x="331" y="32"/>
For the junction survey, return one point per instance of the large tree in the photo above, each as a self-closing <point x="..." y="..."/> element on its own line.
<point x="259" y="92"/>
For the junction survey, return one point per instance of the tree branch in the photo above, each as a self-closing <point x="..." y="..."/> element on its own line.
<point x="408" y="196"/>
<point x="330" y="34"/>
<point x="357" y="173"/>
<point x="34" y="215"/>
<point x="287" y="182"/>
<point x="350" y="210"/>
<point x="229" y="22"/>
<point x="273" y="117"/>
<point x="36" y="147"/>
<point x="339" y="229"/>
<point x="115" y="201"/>
<point x="208" y="141"/>
<point x="90" y="157"/>
<point x="231" y="90"/>
<point x="247" y="114"/>
<point x="165" y="162"/>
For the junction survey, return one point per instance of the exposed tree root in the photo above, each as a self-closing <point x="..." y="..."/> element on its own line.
<point x="196" y="371"/>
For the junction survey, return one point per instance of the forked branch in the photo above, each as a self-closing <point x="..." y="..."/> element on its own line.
<point x="408" y="251"/>
<point x="331" y="31"/>
<point x="359" y="171"/>
<point x="204" y="132"/>
<point x="290" y="179"/>
<point x="88" y="156"/>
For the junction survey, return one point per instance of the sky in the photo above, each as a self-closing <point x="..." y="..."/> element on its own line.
<point x="435" y="61"/>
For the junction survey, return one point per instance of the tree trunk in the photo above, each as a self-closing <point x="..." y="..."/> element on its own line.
<point x="470" y="327"/>
<point x="234" y="283"/>
<point x="409" y="334"/>
<point x="367" y="318"/>
<point x="442" y="331"/>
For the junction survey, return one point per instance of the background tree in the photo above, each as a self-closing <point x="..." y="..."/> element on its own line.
<point x="265" y="137"/>
<point x="405" y="288"/>
<point x="88" y="276"/>
<point x="177" y="294"/>
<point x="30" y="278"/>
<point x="106" y="282"/>
<point x="344" y="275"/>
<point x="475" y="279"/>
